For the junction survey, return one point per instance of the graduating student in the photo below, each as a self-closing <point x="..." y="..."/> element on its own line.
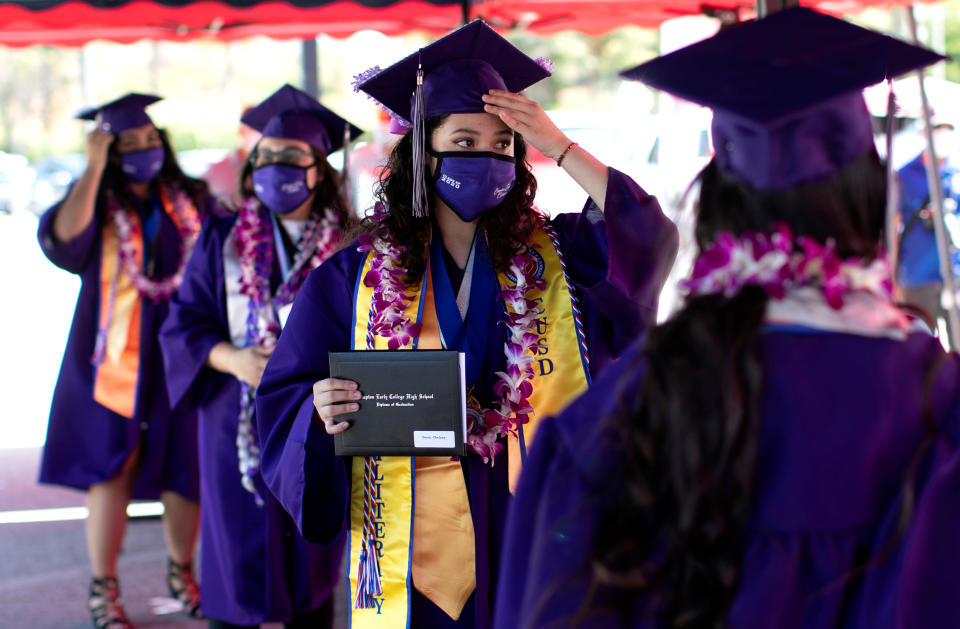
<point x="126" y="228"/>
<point x="223" y="324"/>
<point x="917" y="261"/>
<point x="782" y="451"/>
<point x="455" y="256"/>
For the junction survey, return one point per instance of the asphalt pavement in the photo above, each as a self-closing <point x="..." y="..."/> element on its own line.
<point x="44" y="569"/>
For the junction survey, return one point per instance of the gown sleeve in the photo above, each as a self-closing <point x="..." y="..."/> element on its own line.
<point x="526" y="516"/>
<point x="297" y="455"/>
<point x="196" y="322"/>
<point x="545" y="572"/>
<point x="619" y="259"/>
<point x="929" y="588"/>
<point x="73" y="255"/>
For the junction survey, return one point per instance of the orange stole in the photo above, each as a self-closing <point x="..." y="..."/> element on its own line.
<point x="115" y="380"/>
<point x="444" y="558"/>
<point x="115" y="384"/>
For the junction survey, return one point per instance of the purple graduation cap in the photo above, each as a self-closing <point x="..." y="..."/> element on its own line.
<point x="457" y="70"/>
<point x="294" y="115"/>
<point x="786" y="92"/>
<point x="126" y="112"/>
<point x="448" y="76"/>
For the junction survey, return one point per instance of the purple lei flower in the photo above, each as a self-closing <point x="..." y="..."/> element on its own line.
<point x="255" y="248"/>
<point x="777" y="263"/>
<point x="514" y="385"/>
<point x="187" y="221"/>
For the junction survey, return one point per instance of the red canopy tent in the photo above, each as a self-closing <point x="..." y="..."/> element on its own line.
<point x="74" y="22"/>
<point x="598" y="17"/>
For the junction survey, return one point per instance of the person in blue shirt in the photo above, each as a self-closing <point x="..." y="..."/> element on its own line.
<point x="917" y="263"/>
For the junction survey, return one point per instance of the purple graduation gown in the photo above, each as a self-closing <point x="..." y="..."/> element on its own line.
<point x="86" y="442"/>
<point x="618" y="260"/>
<point x="254" y="565"/>
<point x="841" y="420"/>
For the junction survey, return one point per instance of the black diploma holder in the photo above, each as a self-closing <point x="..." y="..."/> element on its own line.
<point x="413" y="404"/>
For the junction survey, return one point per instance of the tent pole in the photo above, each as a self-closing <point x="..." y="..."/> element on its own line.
<point x="311" y="72"/>
<point x="949" y="295"/>
<point x="893" y="192"/>
<point x="465" y="11"/>
<point x="87" y="93"/>
<point x="766" y="7"/>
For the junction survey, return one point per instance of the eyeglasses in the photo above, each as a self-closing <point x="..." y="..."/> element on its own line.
<point x="292" y="156"/>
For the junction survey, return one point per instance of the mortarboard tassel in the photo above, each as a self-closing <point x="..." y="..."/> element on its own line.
<point x="546" y="64"/>
<point x="419" y="150"/>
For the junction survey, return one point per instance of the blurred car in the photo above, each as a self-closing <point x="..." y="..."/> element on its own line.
<point x="53" y="177"/>
<point x="195" y="162"/>
<point x="661" y="153"/>
<point x="55" y="174"/>
<point x="16" y="179"/>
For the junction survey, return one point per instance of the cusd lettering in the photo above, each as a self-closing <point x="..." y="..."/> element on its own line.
<point x="545" y="364"/>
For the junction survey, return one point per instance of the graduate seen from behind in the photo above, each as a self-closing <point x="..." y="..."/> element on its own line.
<point x="224" y="323"/>
<point x="455" y="256"/>
<point x="127" y="228"/>
<point x="782" y="451"/>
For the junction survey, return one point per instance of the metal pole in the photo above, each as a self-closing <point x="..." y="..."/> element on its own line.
<point x="88" y="95"/>
<point x="311" y="73"/>
<point x="465" y="11"/>
<point x="766" y="7"/>
<point x="155" y="67"/>
<point x="948" y="297"/>
<point x="893" y="192"/>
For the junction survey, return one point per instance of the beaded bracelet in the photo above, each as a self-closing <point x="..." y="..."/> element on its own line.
<point x="565" y="151"/>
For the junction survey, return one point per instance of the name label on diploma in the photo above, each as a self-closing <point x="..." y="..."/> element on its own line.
<point x="434" y="439"/>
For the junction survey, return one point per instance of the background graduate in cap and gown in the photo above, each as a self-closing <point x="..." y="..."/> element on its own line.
<point x="127" y="227"/>
<point x="224" y="322"/>
<point x="782" y="452"/>
<point x="455" y="256"/>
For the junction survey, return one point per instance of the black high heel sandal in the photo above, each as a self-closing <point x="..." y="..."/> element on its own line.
<point x="104" y="605"/>
<point x="184" y="588"/>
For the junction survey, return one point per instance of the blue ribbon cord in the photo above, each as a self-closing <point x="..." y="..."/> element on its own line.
<point x="468" y="336"/>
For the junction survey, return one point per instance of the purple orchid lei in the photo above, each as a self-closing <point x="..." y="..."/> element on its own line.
<point x="129" y="265"/>
<point x="385" y="277"/>
<point x="162" y="289"/>
<point x="778" y="262"/>
<point x="514" y="386"/>
<point x="255" y="248"/>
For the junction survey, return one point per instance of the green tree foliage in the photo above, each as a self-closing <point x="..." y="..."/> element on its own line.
<point x="585" y="68"/>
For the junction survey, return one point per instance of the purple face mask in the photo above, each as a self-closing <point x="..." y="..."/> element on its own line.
<point x="471" y="183"/>
<point x="142" y="165"/>
<point x="281" y="187"/>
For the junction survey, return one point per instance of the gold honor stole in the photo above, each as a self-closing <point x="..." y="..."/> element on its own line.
<point x="115" y="380"/>
<point x="422" y="522"/>
<point x="560" y="367"/>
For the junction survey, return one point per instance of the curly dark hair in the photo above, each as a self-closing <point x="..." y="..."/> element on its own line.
<point x="170" y="173"/>
<point x="328" y="196"/>
<point x="507" y="227"/>
<point x="690" y="431"/>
